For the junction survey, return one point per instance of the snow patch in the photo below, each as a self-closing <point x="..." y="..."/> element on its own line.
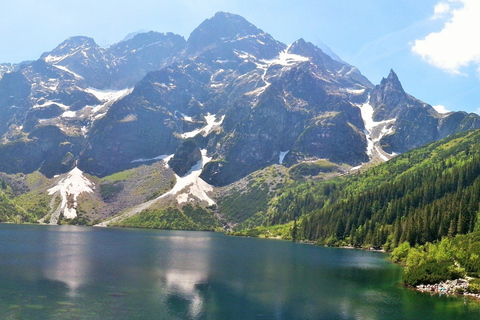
<point x="69" y="188"/>
<point x="69" y="114"/>
<point x="192" y="184"/>
<point x="356" y="91"/>
<point x="76" y="75"/>
<point x="375" y="131"/>
<point x="356" y="168"/>
<point x="49" y="103"/>
<point x="186" y="118"/>
<point x="169" y="86"/>
<point x="282" y="155"/>
<point x="284" y="59"/>
<point x="164" y="157"/>
<point x="109" y="95"/>
<point x="189" y="185"/>
<point x="211" y="124"/>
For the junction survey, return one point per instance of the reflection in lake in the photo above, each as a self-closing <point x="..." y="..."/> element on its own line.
<point x="67" y="257"/>
<point x="187" y="266"/>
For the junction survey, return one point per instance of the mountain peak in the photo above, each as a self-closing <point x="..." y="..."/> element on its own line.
<point x="303" y="47"/>
<point x="72" y="44"/>
<point x="392" y="76"/>
<point x="77" y="41"/>
<point x="391" y="83"/>
<point x="223" y="26"/>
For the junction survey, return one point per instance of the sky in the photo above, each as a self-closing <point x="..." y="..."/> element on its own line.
<point x="432" y="45"/>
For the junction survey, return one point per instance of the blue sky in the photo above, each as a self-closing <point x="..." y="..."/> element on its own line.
<point x="433" y="45"/>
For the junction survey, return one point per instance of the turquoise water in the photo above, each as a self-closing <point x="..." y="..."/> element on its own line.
<point x="67" y="272"/>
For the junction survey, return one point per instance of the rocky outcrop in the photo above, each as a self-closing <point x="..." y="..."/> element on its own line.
<point x="186" y="156"/>
<point x="415" y="122"/>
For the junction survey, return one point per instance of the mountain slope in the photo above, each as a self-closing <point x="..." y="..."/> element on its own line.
<point x="420" y="196"/>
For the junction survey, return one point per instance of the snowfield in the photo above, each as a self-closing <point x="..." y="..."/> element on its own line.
<point x="69" y="188"/>
<point x="211" y="124"/>
<point x="109" y="95"/>
<point x="375" y="131"/>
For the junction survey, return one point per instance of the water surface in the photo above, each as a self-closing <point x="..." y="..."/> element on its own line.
<point x="67" y="272"/>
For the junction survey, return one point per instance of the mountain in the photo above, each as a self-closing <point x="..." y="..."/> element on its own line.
<point x="213" y="110"/>
<point x="413" y="123"/>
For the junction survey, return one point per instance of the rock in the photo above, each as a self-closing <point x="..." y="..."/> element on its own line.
<point x="187" y="155"/>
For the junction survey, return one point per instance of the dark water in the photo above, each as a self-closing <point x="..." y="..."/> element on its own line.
<point x="94" y="273"/>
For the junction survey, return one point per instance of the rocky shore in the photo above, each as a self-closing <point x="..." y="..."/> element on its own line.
<point x="458" y="286"/>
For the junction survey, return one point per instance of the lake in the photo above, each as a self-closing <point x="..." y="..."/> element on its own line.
<point x="68" y="272"/>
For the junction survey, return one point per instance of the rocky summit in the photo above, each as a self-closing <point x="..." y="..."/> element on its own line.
<point x="224" y="103"/>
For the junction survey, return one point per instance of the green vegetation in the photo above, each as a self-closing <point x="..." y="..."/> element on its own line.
<point x="245" y="202"/>
<point x="36" y="204"/>
<point x="10" y="212"/>
<point x="186" y="218"/>
<point x="449" y="258"/>
<point x="311" y="169"/>
<point x="119" y="176"/>
<point x="419" y="197"/>
<point x="283" y="231"/>
<point x="108" y="191"/>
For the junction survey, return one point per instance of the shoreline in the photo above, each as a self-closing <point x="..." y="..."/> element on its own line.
<point x="457" y="287"/>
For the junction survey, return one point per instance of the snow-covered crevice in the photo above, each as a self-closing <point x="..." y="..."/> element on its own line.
<point x="76" y="75"/>
<point x="164" y="157"/>
<point x="53" y="59"/>
<point x="209" y="127"/>
<point x="69" y="188"/>
<point x="375" y="131"/>
<point x="282" y="155"/>
<point x="355" y="91"/>
<point x="50" y="103"/>
<point x="284" y="59"/>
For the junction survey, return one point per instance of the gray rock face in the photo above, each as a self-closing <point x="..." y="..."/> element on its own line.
<point x="186" y="156"/>
<point x="232" y="89"/>
<point x="417" y="123"/>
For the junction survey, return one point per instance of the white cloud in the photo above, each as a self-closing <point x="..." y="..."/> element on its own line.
<point x="441" y="109"/>
<point x="456" y="46"/>
<point x="440" y="10"/>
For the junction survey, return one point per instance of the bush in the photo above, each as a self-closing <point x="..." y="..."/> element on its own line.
<point x="474" y="286"/>
<point x="401" y="252"/>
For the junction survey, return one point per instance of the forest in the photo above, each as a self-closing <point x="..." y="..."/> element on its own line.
<point x="418" y="197"/>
